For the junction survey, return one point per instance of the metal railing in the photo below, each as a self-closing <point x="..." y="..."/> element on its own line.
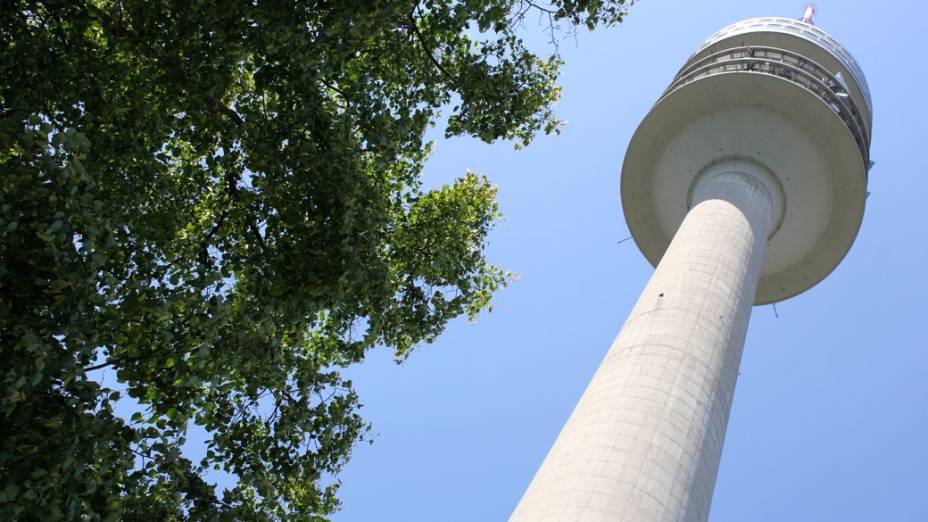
<point x="786" y="65"/>
<point x="801" y="30"/>
<point x="784" y="56"/>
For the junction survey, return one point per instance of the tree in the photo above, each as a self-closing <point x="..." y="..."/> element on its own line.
<point x="220" y="202"/>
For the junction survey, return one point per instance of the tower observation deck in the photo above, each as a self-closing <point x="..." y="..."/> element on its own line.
<point x="745" y="184"/>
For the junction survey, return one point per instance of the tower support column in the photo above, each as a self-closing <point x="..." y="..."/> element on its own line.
<point x="644" y="442"/>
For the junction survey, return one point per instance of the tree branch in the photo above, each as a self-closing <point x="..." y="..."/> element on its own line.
<point x="99" y="366"/>
<point x="231" y="114"/>
<point x="339" y="92"/>
<point x="232" y="185"/>
<point x="425" y="46"/>
<point x="540" y="8"/>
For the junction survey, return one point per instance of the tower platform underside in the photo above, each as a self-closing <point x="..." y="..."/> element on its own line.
<point x="779" y="124"/>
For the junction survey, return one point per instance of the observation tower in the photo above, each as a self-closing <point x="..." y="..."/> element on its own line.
<point x="745" y="184"/>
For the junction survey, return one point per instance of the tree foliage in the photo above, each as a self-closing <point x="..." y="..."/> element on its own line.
<point x="220" y="205"/>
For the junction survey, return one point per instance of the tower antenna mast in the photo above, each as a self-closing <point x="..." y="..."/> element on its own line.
<point x="808" y="14"/>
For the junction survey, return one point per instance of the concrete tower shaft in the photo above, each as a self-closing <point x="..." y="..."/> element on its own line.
<point x="744" y="184"/>
<point x="644" y="442"/>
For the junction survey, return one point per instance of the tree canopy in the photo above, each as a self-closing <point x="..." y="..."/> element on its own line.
<point x="219" y="205"/>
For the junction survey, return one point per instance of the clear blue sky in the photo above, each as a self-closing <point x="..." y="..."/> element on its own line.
<point x="831" y="411"/>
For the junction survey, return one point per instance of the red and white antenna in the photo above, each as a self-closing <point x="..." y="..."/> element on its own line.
<point x="807" y="15"/>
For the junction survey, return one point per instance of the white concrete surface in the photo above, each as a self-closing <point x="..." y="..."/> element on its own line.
<point x="644" y="442"/>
